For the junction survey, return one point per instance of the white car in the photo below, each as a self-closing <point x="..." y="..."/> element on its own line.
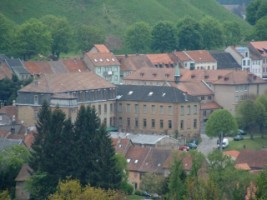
<point x="225" y="143"/>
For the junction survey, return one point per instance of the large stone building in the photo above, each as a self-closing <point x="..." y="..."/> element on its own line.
<point x="157" y="109"/>
<point x="68" y="91"/>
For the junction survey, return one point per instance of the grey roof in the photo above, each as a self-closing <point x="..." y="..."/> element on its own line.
<point x="17" y="66"/>
<point x="5" y="143"/>
<point x="2" y="58"/>
<point x="224" y="60"/>
<point x="144" y="93"/>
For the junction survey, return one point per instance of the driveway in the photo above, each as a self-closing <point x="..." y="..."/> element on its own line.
<point x="207" y="144"/>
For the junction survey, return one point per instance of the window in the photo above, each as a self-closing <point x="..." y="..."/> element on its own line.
<point x="153" y="109"/>
<point x="99" y="109"/>
<point x="120" y="121"/>
<point x="195" y="109"/>
<point x="182" y="124"/>
<point x="170" y="124"/>
<point x="35" y="99"/>
<point x="136" y="122"/>
<point x="170" y="111"/>
<point x="144" y="123"/>
<point x="195" y="123"/>
<point x="144" y="109"/>
<point x="111" y="121"/>
<point x="128" y="122"/>
<point x="136" y="108"/>
<point x="188" y="110"/>
<point x="202" y="98"/>
<point x="161" y="109"/>
<point x="119" y="107"/>
<point x="105" y="121"/>
<point x="161" y="124"/>
<point x="128" y="108"/>
<point x="153" y="123"/>
<point x="111" y="107"/>
<point x="182" y="110"/>
<point x="244" y="63"/>
<point x="209" y="97"/>
<point x="105" y="108"/>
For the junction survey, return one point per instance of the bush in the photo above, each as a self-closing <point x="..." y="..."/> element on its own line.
<point x="127" y="188"/>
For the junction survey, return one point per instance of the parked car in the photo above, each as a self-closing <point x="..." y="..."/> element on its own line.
<point x="225" y="143"/>
<point x="184" y="148"/>
<point x="192" y="145"/>
<point x="238" y="137"/>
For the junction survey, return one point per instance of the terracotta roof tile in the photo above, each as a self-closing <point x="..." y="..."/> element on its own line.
<point x="162" y="58"/>
<point x="121" y="145"/>
<point x="261" y="46"/>
<point x="101" y="48"/>
<point x="234" y="154"/>
<point x="186" y="159"/>
<point x="5" y="72"/>
<point x="75" y="65"/>
<point x="57" y="83"/>
<point x="210" y="106"/>
<point x="133" y="62"/>
<point x="29" y="139"/>
<point x="256" y="159"/>
<point x="102" y="59"/>
<point x="10" y="111"/>
<point x="243" y="166"/>
<point x="200" y="56"/>
<point x="24" y="173"/>
<point x="194" y="88"/>
<point x="38" y="67"/>
<point x="136" y="156"/>
<point x="182" y="56"/>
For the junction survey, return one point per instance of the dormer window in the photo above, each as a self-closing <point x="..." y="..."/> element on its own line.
<point x="128" y="160"/>
<point x="136" y="161"/>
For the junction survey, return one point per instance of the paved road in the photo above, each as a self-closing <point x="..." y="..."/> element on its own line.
<point x="207" y="144"/>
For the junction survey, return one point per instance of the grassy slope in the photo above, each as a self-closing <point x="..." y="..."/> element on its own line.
<point x="115" y="15"/>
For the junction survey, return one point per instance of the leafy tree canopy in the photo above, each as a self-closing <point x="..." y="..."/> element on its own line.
<point x="221" y="121"/>
<point x="138" y="37"/>
<point x="256" y="10"/>
<point x="163" y="37"/>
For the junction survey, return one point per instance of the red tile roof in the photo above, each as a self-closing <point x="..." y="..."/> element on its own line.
<point x="5" y="72"/>
<point x="133" y="62"/>
<point x="66" y="82"/>
<point x="121" y="145"/>
<point x="234" y="154"/>
<point x="256" y="159"/>
<point x="75" y="65"/>
<point x="136" y="157"/>
<point x="243" y="166"/>
<point x="102" y="59"/>
<point x="29" y="139"/>
<point x="38" y="67"/>
<point x="101" y="48"/>
<point x="10" y="111"/>
<point x="162" y="58"/>
<point x="261" y="46"/>
<point x="199" y="56"/>
<point x="186" y="160"/>
<point x="210" y="106"/>
<point x="194" y="88"/>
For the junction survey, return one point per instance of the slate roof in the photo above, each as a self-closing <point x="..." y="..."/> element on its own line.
<point x="66" y="82"/>
<point x="132" y="62"/>
<point x="153" y="94"/>
<point x="2" y="58"/>
<point x="224" y="60"/>
<point x="255" y="159"/>
<point x="5" y="143"/>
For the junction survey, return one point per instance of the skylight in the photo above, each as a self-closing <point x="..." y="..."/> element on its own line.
<point x="150" y="93"/>
<point x="163" y="94"/>
<point x="130" y="92"/>
<point x="128" y="160"/>
<point x="136" y="161"/>
<point x="113" y="59"/>
<point x="100" y="59"/>
<point x="95" y="60"/>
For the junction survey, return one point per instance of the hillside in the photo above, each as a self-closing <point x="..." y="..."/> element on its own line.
<point x="113" y="16"/>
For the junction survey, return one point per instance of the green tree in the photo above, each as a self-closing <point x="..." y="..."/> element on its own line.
<point x="260" y="29"/>
<point x="138" y="37"/>
<point x="232" y="33"/>
<point x="32" y="38"/>
<point x="247" y="115"/>
<point x="177" y="177"/>
<point x="163" y="37"/>
<point x="262" y="117"/>
<point x="261" y="184"/>
<point x="233" y="183"/>
<point x="189" y="34"/>
<point x="212" y="33"/>
<point x="221" y="121"/>
<point x="11" y="160"/>
<point x="256" y="10"/>
<point x="87" y="36"/>
<point x="61" y="34"/>
<point x="6" y="27"/>
<point x="152" y="183"/>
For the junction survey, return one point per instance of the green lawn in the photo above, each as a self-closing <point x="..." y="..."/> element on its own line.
<point x="257" y="143"/>
<point x="135" y="197"/>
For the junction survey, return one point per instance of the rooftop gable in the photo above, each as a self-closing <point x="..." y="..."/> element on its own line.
<point x="101" y="48"/>
<point x="260" y="46"/>
<point x="103" y="59"/>
<point x="255" y="159"/>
